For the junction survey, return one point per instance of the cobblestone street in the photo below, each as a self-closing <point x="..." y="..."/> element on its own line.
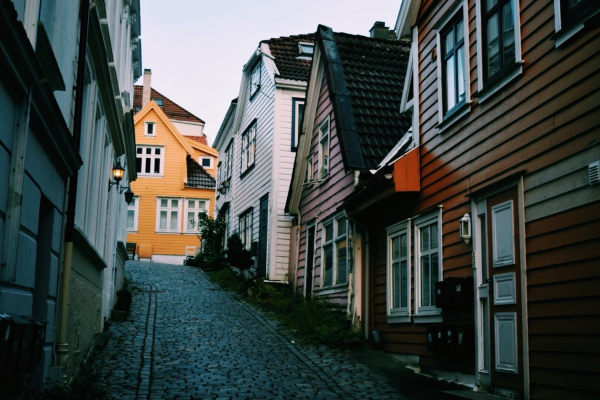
<point x="186" y="338"/>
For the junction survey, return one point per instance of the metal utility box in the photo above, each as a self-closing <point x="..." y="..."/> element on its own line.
<point x="435" y="339"/>
<point x="465" y="340"/>
<point x="449" y="336"/>
<point x="6" y="324"/>
<point x="18" y="347"/>
<point x="463" y="292"/>
<point x="38" y="340"/>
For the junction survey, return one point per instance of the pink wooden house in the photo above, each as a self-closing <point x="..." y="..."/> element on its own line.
<point x="351" y="122"/>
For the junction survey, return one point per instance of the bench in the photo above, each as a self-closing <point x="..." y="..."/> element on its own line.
<point x="130" y="247"/>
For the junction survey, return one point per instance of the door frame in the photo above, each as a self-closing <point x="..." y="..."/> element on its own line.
<point x="478" y="201"/>
<point x="266" y="244"/>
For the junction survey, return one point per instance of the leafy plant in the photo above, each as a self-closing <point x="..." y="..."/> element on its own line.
<point x="210" y="233"/>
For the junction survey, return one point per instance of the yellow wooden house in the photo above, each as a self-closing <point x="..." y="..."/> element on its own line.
<point x="172" y="187"/>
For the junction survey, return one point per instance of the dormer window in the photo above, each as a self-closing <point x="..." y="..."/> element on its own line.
<point x="306" y="49"/>
<point x="255" y="80"/>
<point x="159" y="102"/>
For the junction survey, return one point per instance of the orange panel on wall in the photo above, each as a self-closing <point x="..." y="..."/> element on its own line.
<point x="406" y="172"/>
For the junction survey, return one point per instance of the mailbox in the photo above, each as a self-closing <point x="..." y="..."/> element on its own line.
<point x="463" y="292"/>
<point x="431" y="336"/>
<point x="439" y="294"/>
<point x="38" y="339"/>
<point x="449" y="339"/>
<point x="465" y="340"/>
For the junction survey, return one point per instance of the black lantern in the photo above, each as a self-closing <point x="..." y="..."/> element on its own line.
<point x="128" y="195"/>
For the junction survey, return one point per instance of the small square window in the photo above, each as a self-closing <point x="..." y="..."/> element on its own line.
<point x="150" y="128"/>
<point x="206" y="162"/>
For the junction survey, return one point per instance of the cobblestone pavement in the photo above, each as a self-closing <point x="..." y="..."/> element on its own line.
<point x="186" y="338"/>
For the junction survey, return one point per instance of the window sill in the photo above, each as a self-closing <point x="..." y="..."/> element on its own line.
<point x="168" y="232"/>
<point x="398" y="318"/>
<point x="149" y="176"/>
<point x="247" y="171"/>
<point x="454" y="117"/>
<point x="333" y="289"/>
<point x="146" y="135"/>
<point x="132" y="231"/>
<point x="488" y="90"/>
<point x="570" y="29"/>
<point x="428" y="318"/>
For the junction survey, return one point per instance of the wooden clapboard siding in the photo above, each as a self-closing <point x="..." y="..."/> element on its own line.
<point x="171" y="184"/>
<point x="319" y="201"/>
<point x="545" y="123"/>
<point x="281" y="222"/>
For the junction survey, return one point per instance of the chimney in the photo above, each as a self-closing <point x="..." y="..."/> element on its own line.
<point x="380" y="31"/>
<point x="146" y="93"/>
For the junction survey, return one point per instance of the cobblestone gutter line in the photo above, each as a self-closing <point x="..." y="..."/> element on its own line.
<point x="145" y="373"/>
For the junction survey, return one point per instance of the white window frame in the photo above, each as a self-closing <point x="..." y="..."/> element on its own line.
<point x="445" y="120"/>
<point x="136" y="212"/>
<point x="426" y="314"/>
<point x="336" y="238"/>
<point x="211" y="165"/>
<point x="153" y="156"/>
<point x="296" y="120"/>
<point x="306" y="50"/>
<point x="489" y="90"/>
<point x="324" y="171"/>
<point x="309" y="169"/>
<point x="254" y="79"/>
<point x="406" y="104"/>
<point x="197" y="209"/>
<point x="248" y="148"/>
<point x="398" y="314"/>
<point x="148" y="124"/>
<point x="169" y="209"/>
<point x="246" y="225"/>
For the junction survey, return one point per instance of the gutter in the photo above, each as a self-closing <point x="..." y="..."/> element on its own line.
<point x="62" y="347"/>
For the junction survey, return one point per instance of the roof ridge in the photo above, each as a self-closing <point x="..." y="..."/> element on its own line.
<point x="313" y="35"/>
<point x="167" y="98"/>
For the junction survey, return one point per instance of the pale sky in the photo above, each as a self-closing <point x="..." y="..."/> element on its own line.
<point x="196" y="48"/>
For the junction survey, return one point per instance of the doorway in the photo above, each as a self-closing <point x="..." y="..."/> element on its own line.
<point x="499" y="308"/>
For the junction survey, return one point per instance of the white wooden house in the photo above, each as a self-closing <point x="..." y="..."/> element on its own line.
<point x="257" y="142"/>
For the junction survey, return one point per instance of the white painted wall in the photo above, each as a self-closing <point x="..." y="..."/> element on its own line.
<point x="189" y="128"/>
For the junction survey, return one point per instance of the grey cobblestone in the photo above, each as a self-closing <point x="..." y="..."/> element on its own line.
<point x="186" y="338"/>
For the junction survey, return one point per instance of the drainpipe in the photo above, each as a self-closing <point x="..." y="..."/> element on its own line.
<point x="62" y="347"/>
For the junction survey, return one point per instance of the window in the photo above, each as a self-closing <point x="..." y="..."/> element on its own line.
<point x="192" y="208"/>
<point x="306" y="49"/>
<point x="570" y="16"/>
<point x="246" y="228"/>
<point x="324" y="149"/>
<point x="149" y="161"/>
<point x="226" y="163"/>
<point x="150" y="128"/>
<point x="254" y="81"/>
<point x="206" y="162"/>
<point x="499" y="37"/>
<point x="335" y="252"/>
<point x="133" y="210"/>
<point x="309" y="169"/>
<point x="159" y="102"/>
<point x="398" y="273"/>
<point x="453" y="65"/>
<point x="248" y="147"/>
<point x="167" y="215"/>
<point x="428" y="265"/>
<point x="297" y="114"/>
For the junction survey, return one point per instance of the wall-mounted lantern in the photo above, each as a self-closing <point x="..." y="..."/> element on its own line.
<point x="465" y="228"/>
<point x="118" y="172"/>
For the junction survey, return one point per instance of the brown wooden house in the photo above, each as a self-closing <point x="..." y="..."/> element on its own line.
<point x="351" y="121"/>
<point x="506" y="106"/>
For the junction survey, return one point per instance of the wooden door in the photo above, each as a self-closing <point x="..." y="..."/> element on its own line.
<point x="504" y="283"/>
<point x="263" y="227"/>
<point x="310" y="258"/>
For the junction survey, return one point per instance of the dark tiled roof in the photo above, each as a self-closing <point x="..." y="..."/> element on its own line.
<point x="286" y="52"/>
<point x="197" y="176"/>
<point x="170" y="108"/>
<point x="199" y="139"/>
<point x="371" y="81"/>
